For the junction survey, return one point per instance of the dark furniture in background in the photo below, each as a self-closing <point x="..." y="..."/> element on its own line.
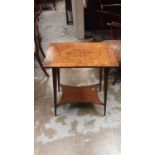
<point x="37" y="38"/>
<point x="46" y="4"/>
<point x="98" y="13"/>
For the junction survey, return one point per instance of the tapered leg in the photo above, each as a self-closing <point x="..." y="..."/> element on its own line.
<point x="54" y="73"/>
<point x="100" y="82"/>
<point x="40" y="63"/>
<point x="106" y="74"/>
<point x="41" y="50"/>
<point x="58" y="74"/>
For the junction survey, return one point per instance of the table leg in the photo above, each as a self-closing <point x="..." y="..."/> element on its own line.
<point x="54" y="72"/>
<point x="106" y="74"/>
<point x="58" y="74"/>
<point x="100" y="76"/>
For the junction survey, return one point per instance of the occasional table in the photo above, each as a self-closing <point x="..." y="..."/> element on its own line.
<point x="81" y="55"/>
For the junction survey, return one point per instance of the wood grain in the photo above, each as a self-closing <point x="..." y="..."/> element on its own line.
<point x="83" y="54"/>
<point x="83" y="94"/>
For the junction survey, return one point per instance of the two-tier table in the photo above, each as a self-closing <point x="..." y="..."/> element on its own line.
<point x="81" y="55"/>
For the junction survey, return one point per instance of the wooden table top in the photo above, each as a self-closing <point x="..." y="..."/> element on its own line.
<point x="83" y="54"/>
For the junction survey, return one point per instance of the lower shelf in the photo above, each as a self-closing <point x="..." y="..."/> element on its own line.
<point x="82" y="94"/>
